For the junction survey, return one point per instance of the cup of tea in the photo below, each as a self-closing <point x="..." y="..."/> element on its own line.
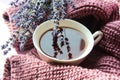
<point x="76" y="43"/>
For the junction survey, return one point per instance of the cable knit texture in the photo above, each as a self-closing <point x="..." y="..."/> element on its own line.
<point x="103" y="63"/>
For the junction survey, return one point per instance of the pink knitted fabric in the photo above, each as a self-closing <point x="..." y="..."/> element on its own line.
<point x="6" y="15"/>
<point x="103" y="63"/>
<point x="30" y="67"/>
<point x="111" y="40"/>
<point x="94" y="13"/>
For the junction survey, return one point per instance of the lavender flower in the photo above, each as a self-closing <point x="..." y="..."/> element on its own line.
<point x="59" y="8"/>
<point x="30" y="14"/>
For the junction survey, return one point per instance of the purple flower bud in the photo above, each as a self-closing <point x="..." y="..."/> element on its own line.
<point x="3" y="46"/>
<point x="5" y="52"/>
<point x="9" y="49"/>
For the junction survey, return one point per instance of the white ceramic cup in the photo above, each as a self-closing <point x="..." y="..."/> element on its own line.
<point x="92" y="39"/>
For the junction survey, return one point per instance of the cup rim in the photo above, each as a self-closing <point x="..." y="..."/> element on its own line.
<point x="58" y="60"/>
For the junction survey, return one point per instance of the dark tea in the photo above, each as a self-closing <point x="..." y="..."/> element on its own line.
<point x="76" y="44"/>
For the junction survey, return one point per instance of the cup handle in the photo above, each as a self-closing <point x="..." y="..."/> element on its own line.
<point x="97" y="37"/>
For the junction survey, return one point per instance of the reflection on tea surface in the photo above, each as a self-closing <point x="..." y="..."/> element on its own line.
<point x="76" y="43"/>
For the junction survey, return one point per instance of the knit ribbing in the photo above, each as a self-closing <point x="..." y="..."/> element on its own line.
<point x="29" y="67"/>
<point x="100" y="9"/>
<point x="111" y="39"/>
<point x="101" y="12"/>
<point x="109" y="64"/>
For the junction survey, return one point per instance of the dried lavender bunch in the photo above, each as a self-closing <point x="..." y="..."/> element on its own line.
<point x="59" y="11"/>
<point x="30" y="14"/>
<point x="59" y="8"/>
<point x="26" y="21"/>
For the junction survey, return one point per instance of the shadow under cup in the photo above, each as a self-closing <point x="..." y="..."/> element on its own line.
<point x="77" y="34"/>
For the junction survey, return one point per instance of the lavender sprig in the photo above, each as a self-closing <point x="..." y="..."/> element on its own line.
<point x="58" y="14"/>
<point x="29" y="15"/>
<point x="17" y="3"/>
<point x="70" y="2"/>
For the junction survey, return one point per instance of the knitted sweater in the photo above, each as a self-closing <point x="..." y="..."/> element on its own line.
<point x="103" y="63"/>
<point x="30" y="67"/>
